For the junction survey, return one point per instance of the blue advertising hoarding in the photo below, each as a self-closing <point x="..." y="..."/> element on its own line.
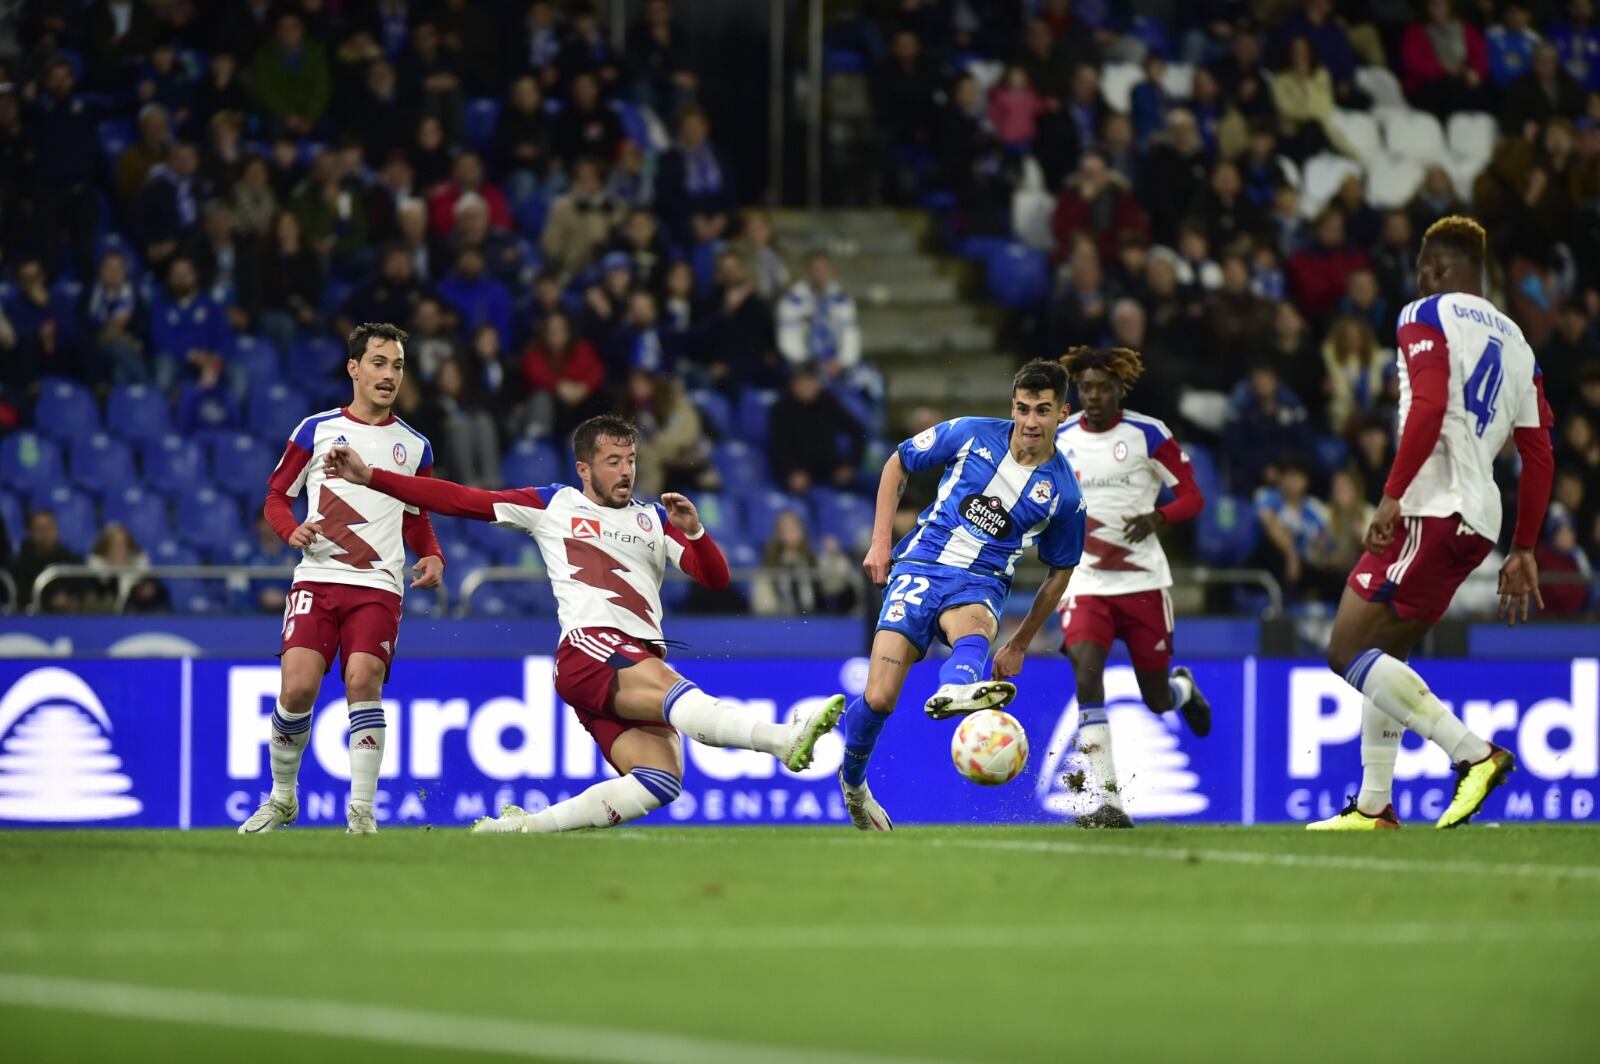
<point x="182" y="743"/>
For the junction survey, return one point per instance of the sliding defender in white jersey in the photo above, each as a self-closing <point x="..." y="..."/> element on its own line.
<point x="345" y="601"/>
<point x="606" y="553"/>
<point x="1468" y="383"/>
<point x="1123" y="459"/>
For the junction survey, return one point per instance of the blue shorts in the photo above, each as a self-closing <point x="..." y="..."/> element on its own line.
<point x="919" y="592"/>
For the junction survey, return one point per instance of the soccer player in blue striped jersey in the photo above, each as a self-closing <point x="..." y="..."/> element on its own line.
<point x="1005" y="488"/>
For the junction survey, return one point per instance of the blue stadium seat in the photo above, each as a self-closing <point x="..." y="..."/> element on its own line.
<point x="720" y="514"/>
<point x="742" y="556"/>
<point x="275" y="410"/>
<point x="74" y="513"/>
<point x="762" y="510"/>
<point x="531" y="463"/>
<point x="743" y="468"/>
<point x="116" y="136"/>
<point x="187" y="595"/>
<point x="173" y="465"/>
<point x="65" y="409"/>
<point x="462" y="559"/>
<point x="755" y="409"/>
<point x="208" y="519"/>
<point x="1018" y="276"/>
<point x="715" y="410"/>
<point x="137" y="412"/>
<point x="240" y="466"/>
<point x="840" y="514"/>
<point x="314" y="361"/>
<point x="422" y="604"/>
<point x="259" y="360"/>
<point x="141" y="512"/>
<point x="675" y="594"/>
<point x="1227" y="531"/>
<point x="1204" y="465"/>
<point x="13" y="517"/>
<point x="102" y="464"/>
<point x="1330" y="452"/>
<point x="29" y="462"/>
<point x="479" y="121"/>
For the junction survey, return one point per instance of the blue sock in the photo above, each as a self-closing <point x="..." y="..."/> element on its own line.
<point x="861" y="728"/>
<point x="967" y="661"/>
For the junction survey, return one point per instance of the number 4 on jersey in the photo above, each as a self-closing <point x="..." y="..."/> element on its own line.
<point x="1483" y="386"/>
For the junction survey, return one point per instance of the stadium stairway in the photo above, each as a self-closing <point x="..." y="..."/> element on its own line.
<point x="935" y="346"/>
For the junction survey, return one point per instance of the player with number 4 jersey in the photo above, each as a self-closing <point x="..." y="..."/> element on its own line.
<point x="1468" y="384"/>
<point x="347" y="592"/>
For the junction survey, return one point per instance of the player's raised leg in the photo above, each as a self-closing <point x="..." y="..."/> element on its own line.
<point x="300" y="678"/>
<point x="1399" y="692"/>
<point x="1094" y="735"/>
<point x="650" y="766"/>
<point x="892" y="657"/>
<point x="970" y="630"/>
<point x="363" y="686"/>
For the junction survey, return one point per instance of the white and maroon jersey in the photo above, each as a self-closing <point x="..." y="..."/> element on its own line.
<point x="1493" y="388"/>
<point x="605" y="563"/>
<point x="1121" y="471"/>
<point x="364" y="533"/>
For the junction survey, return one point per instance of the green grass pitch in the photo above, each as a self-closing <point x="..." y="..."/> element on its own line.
<point x="799" y="945"/>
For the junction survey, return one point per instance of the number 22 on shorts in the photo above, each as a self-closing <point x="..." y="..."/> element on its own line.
<point x="909" y="588"/>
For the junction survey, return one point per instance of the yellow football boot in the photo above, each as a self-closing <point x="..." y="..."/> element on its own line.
<point x="1352" y="819"/>
<point x="1474" y="784"/>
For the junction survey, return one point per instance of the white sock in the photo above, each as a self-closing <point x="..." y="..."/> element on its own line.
<point x="290" y="731"/>
<point x="1182" y="688"/>
<point x="713" y="723"/>
<point x="1380" y="745"/>
<point x="1094" y="742"/>
<point x="367" y="730"/>
<point x="608" y="803"/>
<point x="1394" y="687"/>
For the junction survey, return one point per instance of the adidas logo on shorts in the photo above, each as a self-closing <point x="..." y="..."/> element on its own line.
<point x="1364" y="579"/>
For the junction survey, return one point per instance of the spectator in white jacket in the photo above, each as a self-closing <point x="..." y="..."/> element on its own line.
<point x="817" y="323"/>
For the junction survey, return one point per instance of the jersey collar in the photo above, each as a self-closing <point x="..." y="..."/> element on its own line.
<point x="1083" y="423"/>
<point x="345" y="410"/>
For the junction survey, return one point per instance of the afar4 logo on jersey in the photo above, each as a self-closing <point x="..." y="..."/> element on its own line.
<point x="585" y="528"/>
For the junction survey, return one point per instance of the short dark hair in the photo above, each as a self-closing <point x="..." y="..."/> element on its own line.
<point x="1041" y="375"/>
<point x="1121" y="362"/>
<point x="366" y="332"/>
<point x="586" y="441"/>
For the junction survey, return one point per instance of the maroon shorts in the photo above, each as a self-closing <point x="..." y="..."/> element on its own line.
<point x="1142" y="620"/>
<point x="1418" y="574"/>
<point x="340" y="620"/>
<point x="587" y="663"/>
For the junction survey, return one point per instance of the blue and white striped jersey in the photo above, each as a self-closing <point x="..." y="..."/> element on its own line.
<point x="990" y="508"/>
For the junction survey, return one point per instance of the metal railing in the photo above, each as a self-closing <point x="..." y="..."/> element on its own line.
<point x="129" y="576"/>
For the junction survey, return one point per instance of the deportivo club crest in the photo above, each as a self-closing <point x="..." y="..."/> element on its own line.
<point x="1040" y="492"/>
<point x="399" y="454"/>
<point x="644" y="521"/>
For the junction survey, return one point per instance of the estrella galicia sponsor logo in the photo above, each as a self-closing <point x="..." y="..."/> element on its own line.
<point x="987" y="514"/>
<point x="56" y="759"/>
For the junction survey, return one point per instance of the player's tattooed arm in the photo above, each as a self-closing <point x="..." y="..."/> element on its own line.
<point x="891" y="486"/>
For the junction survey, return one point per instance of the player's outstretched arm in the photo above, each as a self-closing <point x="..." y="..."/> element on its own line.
<point x="426" y="493"/>
<point x="1008" y="660"/>
<point x="891" y="486"/>
<point x="702" y="560"/>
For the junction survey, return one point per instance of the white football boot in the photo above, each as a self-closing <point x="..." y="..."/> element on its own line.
<point x="510" y="822"/>
<point x="959" y="699"/>
<point x="271" y="815"/>
<point x="806" y="728"/>
<point x="865" y="812"/>
<point x="360" y="819"/>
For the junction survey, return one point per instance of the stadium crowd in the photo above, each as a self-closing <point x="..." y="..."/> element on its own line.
<point x="1237" y="189"/>
<point x="199" y="200"/>
<point x="196" y="200"/>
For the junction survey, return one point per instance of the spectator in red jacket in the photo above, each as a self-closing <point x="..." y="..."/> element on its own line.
<point x="563" y="376"/>
<point x="1444" y="63"/>
<point x="466" y="175"/>
<point x="1097" y="201"/>
<point x="1319" y="274"/>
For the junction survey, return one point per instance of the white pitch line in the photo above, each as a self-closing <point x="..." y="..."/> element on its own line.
<point x="1282" y="860"/>
<point x="451" y="1033"/>
<point x="523" y="942"/>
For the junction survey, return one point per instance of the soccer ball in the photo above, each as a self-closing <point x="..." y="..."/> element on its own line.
<point x="989" y="748"/>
